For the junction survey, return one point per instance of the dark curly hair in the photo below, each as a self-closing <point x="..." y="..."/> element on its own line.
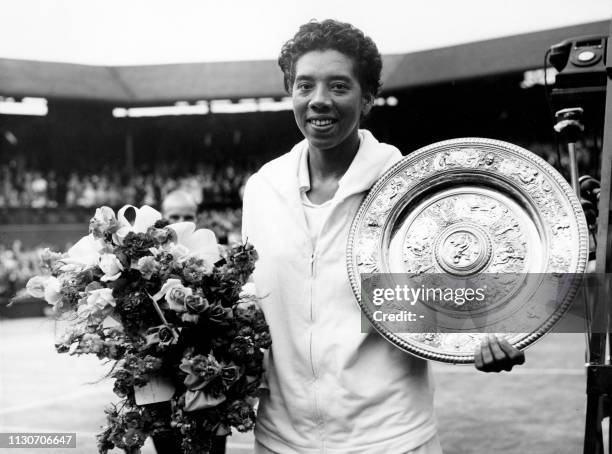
<point x="334" y="35"/>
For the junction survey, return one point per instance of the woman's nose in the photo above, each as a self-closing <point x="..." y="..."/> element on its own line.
<point x="320" y="98"/>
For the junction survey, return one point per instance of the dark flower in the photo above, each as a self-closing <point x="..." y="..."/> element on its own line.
<point x="195" y="268"/>
<point x="136" y="245"/>
<point x="218" y="314"/>
<point x="230" y="373"/>
<point x="246" y="310"/>
<point x="242" y="349"/>
<point x="200" y="371"/>
<point x="133" y="420"/>
<point x="196" y="304"/>
<point x="165" y="334"/>
<point x="241" y="415"/>
<point x="161" y="223"/>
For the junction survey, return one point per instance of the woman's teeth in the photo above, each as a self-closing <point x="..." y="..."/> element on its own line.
<point x="321" y="122"/>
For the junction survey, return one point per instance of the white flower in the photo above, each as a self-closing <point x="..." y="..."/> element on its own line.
<point x="96" y="303"/>
<point x="101" y="298"/>
<point x="145" y="217"/>
<point x="177" y="250"/>
<point x="110" y="266"/>
<point x="47" y="287"/>
<point x="86" y="252"/>
<point x="201" y="242"/>
<point x="52" y="291"/>
<point x="36" y="286"/>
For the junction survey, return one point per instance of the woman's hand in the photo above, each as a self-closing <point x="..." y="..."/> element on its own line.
<point x="495" y="354"/>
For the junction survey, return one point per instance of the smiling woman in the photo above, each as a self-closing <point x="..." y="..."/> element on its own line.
<point x="331" y="387"/>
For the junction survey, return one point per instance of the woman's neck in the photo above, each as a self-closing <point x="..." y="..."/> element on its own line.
<point x="332" y="163"/>
<point x="326" y="167"/>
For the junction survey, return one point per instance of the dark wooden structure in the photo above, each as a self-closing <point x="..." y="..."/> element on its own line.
<point x="599" y="365"/>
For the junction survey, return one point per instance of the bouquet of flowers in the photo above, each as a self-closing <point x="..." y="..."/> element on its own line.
<point x="176" y="317"/>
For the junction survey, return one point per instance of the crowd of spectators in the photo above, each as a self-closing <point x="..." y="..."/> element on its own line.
<point x="46" y="189"/>
<point x="17" y="265"/>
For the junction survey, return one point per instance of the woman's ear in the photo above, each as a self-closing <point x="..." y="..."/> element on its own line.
<point x="368" y="102"/>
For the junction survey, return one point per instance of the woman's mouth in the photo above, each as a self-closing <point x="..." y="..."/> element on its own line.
<point x="322" y="122"/>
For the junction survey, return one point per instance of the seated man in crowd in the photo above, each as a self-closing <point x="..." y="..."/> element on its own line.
<point x="179" y="206"/>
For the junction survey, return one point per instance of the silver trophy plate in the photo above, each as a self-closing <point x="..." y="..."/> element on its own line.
<point x="468" y="209"/>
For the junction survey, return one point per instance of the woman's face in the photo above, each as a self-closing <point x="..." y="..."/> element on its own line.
<point x="327" y="99"/>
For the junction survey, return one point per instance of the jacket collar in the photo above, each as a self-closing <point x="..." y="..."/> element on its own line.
<point x="371" y="160"/>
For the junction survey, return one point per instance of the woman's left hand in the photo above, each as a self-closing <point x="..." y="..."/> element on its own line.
<point x="495" y="354"/>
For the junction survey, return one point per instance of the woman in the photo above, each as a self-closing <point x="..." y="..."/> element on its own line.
<point x="332" y="388"/>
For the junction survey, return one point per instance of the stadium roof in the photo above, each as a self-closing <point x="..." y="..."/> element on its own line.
<point x="168" y="83"/>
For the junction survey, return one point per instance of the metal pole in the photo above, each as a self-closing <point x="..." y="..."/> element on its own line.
<point x="573" y="164"/>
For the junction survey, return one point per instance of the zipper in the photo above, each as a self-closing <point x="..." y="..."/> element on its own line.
<point x="312" y="314"/>
<point x="317" y="411"/>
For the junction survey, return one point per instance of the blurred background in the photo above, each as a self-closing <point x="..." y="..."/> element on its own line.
<point x="116" y="103"/>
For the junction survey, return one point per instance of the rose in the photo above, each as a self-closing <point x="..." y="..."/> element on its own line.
<point x="175" y="294"/>
<point x="96" y="303"/>
<point x="103" y="222"/>
<point x="101" y="298"/>
<point x="148" y="266"/>
<point x="162" y="335"/>
<point x="165" y="334"/>
<point x="196" y="304"/>
<point x="162" y="235"/>
<point x="230" y="373"/>
<point x="218" y="314"/>
<point x="176" y="298"/>
<point x="110" y="266"/>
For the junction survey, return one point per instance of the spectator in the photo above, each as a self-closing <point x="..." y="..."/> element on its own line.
<point x="179" y="206"/>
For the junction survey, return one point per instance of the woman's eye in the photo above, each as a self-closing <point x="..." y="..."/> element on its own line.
<point x="303" y="86"/>
<point x="339" y="86"/>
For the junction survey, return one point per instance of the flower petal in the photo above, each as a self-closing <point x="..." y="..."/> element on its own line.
<point x="123" y="222"/>
<point x="183" y="230"/>
<point x="204" y="244"/>
<point x="85" y="251"/>
<point x="145" y="217"/>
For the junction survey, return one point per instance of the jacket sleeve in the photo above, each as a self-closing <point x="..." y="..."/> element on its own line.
<point x="248" y="207"/>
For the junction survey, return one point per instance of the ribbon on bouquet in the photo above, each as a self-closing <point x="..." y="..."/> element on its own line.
<point x="199" y="400"/>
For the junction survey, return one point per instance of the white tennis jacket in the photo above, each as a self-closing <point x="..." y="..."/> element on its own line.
<point x="332" y="388"/>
